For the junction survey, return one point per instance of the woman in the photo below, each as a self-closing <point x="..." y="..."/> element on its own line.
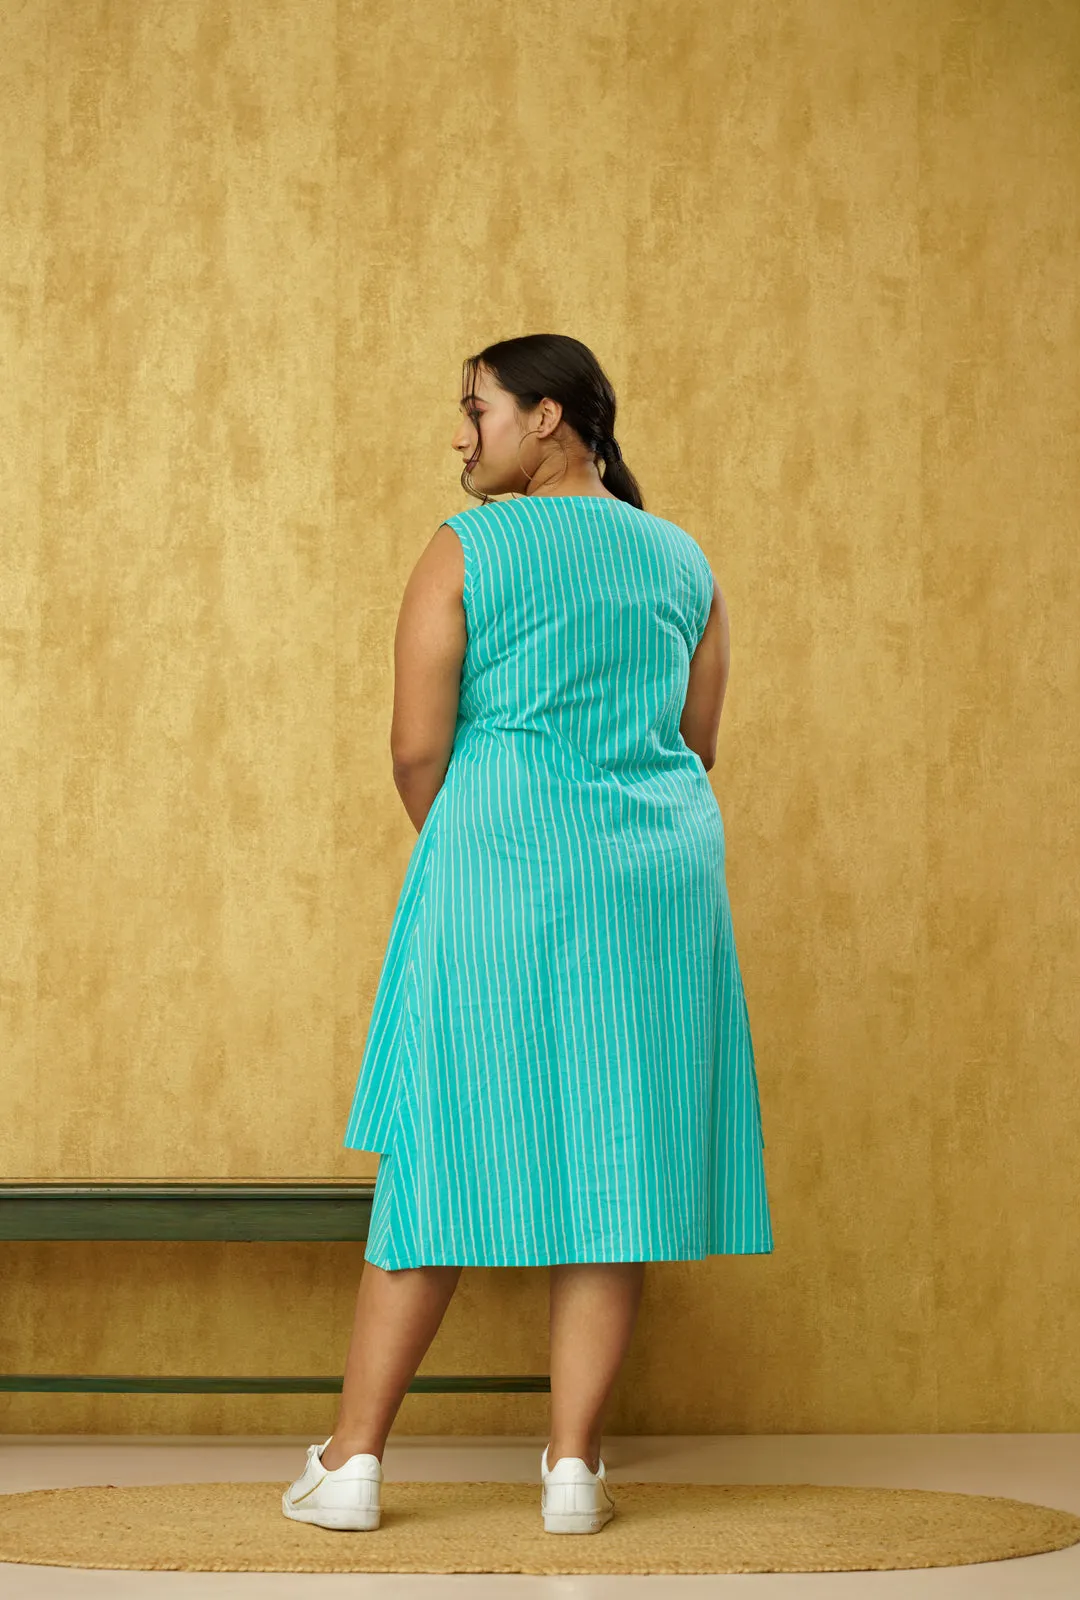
<point x="558" y="1069"/>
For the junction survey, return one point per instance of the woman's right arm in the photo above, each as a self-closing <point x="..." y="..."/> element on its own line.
<point x="709" y="667"/>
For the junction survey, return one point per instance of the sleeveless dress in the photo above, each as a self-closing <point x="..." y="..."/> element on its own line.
<point x="559" y="1065"/>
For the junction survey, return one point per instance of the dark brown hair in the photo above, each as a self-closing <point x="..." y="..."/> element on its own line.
<point x="563" y="369"/>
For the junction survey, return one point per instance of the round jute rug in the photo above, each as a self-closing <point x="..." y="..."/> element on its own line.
<point x="497" y="1527"/>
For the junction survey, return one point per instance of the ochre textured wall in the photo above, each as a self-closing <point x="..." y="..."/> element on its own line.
<point x="827" y="252"/>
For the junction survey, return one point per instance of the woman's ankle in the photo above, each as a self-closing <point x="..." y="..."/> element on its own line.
<point x="340" y="1449"/>
<point x="589" y="1454"/>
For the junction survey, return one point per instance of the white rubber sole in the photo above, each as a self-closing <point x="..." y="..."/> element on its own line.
<point x="576" y="1521"/>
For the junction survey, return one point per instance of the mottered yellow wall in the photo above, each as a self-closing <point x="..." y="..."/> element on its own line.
<point x="827" y="253"/>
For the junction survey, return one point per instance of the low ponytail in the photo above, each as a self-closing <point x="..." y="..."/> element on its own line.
<point x="616" y="474"/>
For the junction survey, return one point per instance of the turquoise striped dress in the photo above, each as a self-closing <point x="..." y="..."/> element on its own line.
<point x="558" y="1065"/>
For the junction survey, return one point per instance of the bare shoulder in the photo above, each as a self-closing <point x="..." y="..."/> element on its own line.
<point x="439" y="569"/>
<point x="718" y="612"/>
<point x="446" y="546"/>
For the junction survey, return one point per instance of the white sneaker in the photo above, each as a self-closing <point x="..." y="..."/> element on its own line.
<point x="573" y="1499"/>
<point x="338" y="1497"/>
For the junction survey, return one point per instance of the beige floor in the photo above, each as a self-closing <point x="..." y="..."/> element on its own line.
<point x="1038" y="1467"/>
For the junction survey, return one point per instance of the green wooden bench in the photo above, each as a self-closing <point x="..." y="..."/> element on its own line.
<point x="276" y="1211"/>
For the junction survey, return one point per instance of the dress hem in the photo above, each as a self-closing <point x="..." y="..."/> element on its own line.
<point x="398" y="1265"/>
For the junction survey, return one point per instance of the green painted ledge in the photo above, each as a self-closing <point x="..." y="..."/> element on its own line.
<point x="238" y="1210"/>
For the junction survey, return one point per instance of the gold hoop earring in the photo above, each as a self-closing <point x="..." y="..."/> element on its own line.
<point x="531" y="475"/>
